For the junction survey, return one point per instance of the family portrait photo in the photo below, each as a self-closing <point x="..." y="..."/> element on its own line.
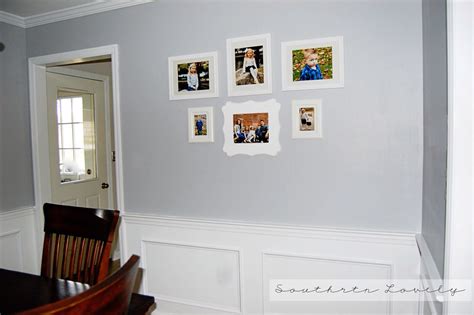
<point x="193" y="76"/>
<point x="307" y="118"/>
<point x="251" y="128"/>
<point x="313" y="64"/>
<point x="249" y="65"/>
<point x="200" y="124"/>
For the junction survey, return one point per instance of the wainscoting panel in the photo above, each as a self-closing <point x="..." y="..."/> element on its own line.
<point x="213" y="267"/>
<point x="18" y="247"/>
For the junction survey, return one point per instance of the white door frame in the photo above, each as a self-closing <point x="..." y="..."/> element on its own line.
<point x="39" y="129"/>
<point x="459" y="219"/>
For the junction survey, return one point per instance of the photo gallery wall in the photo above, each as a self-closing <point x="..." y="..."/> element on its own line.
<point x="253" y="127"/>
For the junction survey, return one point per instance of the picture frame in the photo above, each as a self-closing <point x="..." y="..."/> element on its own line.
<point x="200" y="124"/>
<point x="193" y="76"/>
<point x="307" y="119"/>
<point x="251" y="128"/>
<point x="313" y="64"/>
<point x="248" y="61"/>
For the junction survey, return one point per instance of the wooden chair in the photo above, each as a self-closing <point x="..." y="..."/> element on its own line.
<point x="77" y="242"/>
<point x="111" y="296"/>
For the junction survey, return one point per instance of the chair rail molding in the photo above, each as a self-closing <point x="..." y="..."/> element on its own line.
<point x="212" y="266"/>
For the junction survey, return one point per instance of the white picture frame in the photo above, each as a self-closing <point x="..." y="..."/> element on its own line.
<point x="251" y="114"/>
<point x="207" y="79"/>
<point x="296" y="55"/>
<point x="242" y="82"/>
<point x="206" y="116"/>
<point x="307" y="119"/>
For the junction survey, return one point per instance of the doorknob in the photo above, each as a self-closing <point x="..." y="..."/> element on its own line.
<point x="105" y="185"/>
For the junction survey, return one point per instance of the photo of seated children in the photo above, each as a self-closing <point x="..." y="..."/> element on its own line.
<point x="306" y="119"/>
<point x="312" y="64"/>
<point x="249" y="65"/>
<point x="251" y="128"/>
<point x="200" y="125"/>
<point x="193" y="76"/>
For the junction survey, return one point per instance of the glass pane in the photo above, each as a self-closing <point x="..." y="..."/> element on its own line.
<point x="67" y="136"/>
<point x="66" y="116"/>
<point x="58" y="110"/>
<point x="80" y="160"/>
<point x="78" y="136"/>
<point x="60" y="138"/>
<point x="77" y="109"/>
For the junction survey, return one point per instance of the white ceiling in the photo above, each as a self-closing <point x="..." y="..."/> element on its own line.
<point x="27" y="8"/>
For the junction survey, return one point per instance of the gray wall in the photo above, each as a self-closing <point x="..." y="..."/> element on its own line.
<point x="16" y="184"/>
<point x="365" y="173"/>
<point x="435" y="115"/>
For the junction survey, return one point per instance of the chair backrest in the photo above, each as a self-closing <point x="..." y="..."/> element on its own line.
<point x="111" y="296"/>
<point x="77" y="242"/>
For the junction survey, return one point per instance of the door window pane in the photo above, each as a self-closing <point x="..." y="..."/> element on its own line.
<point x="76" y="137"/>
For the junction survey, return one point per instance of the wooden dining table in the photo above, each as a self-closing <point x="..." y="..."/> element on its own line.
<point x="22" y="291"/>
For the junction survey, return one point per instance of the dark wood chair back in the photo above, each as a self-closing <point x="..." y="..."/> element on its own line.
<point x="111" y="296"/>
<point x="77" y="242"/>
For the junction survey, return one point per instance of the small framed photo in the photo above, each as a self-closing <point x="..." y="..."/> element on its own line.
<point x="249" y="65"/>
<point x="251" y="128"/>
<point x="307" y="118"/>
<point x="193" y="76"/>
<point x="313" y="64"/>
<point x="200" y="124"/>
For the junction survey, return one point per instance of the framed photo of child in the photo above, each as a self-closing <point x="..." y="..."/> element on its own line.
<point x="200" y="124"/>
<point x="307" y="119"/>
<point x="193" y="76"/>
<point x="313" y="64"/>
<point x="249" y="65"/>
<point x="251" y="128"/>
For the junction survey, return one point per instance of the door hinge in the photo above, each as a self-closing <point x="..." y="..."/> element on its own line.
<point x="113" y="156"/>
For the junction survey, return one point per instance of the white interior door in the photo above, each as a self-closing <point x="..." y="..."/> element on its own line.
<point x="77" y="141"/>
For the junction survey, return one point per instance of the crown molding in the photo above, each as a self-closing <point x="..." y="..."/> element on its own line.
<point x="66" y="14"/>
<point x="12" y="19"/>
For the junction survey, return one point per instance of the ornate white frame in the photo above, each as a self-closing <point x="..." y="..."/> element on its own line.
<point x="213" y="76"/>
<point x="272" y="108"/>
<point x="338" y="64"/>
<point x="210" y="124"/>
<point x="295" y="117"/>
<point x="266" y="87"/>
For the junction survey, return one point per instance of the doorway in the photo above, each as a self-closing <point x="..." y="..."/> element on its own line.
<point x="72" y="162"/>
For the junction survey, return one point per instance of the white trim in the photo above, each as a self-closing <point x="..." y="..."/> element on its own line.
<point x="67" y="13"/>
<point x="37" y="85"/>
<point x="16" y="213"/>
<point x="364" y="236"/>
<point x="432" y="278"/>
<point x="186" y="301"/>
<point x="459" y="236"/>
<point x="12" y="19"/>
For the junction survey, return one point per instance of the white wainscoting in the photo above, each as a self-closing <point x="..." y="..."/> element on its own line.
<point x="213" y="267"/>
<point x="18" y="240"/>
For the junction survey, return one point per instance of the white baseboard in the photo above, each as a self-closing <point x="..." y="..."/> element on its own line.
<point x="197" y="266"/>
<point x="18" y="246"/>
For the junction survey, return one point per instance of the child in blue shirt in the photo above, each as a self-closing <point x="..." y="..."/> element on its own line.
<point x="311" y="70"/>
